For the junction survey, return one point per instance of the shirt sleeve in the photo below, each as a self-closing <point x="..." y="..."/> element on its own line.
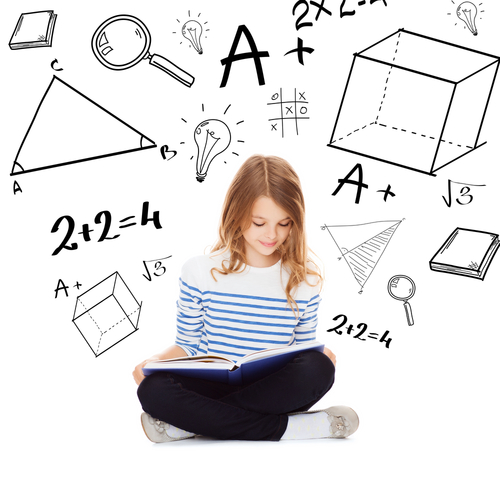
<point x="190" y="311"/>
<point x="305" y="330"/>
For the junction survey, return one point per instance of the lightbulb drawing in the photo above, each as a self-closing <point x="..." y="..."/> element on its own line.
<point x="192" y="31"/>
<point x="212" y="137"/>
<point x="467" y="13"/>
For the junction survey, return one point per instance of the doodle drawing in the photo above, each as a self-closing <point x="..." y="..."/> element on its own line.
<point x="123" y="41"/>
<point x="362" y="245"/>
<point x="156" y="266"/>
<point x="193" y="31"/>
<point x="292" y="110"/>
<point x="401" y="287"/>
<point x="423" y="107"/>
<point x="33" y="29"/>
<point x="467" y="12"/>
<point x="212" y="137"/>
<point x="466" y="15"/>
<point x="106" y="314"/>
<point x="68" y="127"/>
<point x="466" y="252"/>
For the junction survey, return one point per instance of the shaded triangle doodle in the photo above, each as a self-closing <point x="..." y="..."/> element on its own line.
<point x="68" y="127"/>
<point x="362" y="245"/>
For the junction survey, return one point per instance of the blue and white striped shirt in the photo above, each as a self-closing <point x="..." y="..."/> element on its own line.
<point x="242" y="312"/>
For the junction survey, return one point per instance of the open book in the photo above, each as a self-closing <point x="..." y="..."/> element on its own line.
<point x="220" y="369"/>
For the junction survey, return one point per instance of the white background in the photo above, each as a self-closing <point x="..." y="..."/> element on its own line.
<point x="428" y="404"/>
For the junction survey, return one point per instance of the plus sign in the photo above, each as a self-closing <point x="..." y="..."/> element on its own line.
<point x="300" y="50"/>
<point x="387" y="191"/>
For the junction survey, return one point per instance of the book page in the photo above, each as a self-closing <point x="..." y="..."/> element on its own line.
<point x="267" y="353"/>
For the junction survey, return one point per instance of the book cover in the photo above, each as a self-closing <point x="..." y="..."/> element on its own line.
<point x="33" y="29"/>
<point x="466" y="252"/>
<point x="220" y="369"/>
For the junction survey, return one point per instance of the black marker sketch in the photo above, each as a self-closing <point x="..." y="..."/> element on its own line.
<point x="360" y="184"/>
<point x="106" y="314"/>
<point x="464" y="196"/>
<point x="103" y="217"/>
<point x="61" y="286"/>
<point x="123" y="41"/>
<point x="362" y="327"/>
<point x="164" y="150"/>
<point x="254" y="54"/>
<point x="157" y="267"/>
<point x="212" y="137"/>
<point x="466" y="252"/>
<point x="467" y="12"/>
<point x="53" y="65"/>
<point x="360" y="3"/>
<point x="33" y="29"/>
<point x="401" y="287"/>
<point x="16" y="188"/>
<point x="362" y="245"/>
<point x="68" y="128"/>
<point x="301" y="9"/>
<point x="291" y="111"/>
<point x="192" y="31"/>
<point x="345" y="12"/>
<point x="424" y="106"/>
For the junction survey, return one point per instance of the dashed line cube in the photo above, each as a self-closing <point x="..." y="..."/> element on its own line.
<point x="415" y="102"/>
<point x="106" y="314"/>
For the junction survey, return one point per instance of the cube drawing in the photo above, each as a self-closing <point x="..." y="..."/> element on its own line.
<point x="415" y="102"/>
<point x="106" y="314"/>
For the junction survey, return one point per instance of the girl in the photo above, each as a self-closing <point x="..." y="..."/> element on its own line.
<point x="257" y="289"/>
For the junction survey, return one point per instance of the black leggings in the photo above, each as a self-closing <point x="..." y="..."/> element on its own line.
<point x="255" y="411"/>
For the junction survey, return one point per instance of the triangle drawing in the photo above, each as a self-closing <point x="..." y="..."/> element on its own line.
<point x="362" y="245"/>
<point x="68" y="127"/>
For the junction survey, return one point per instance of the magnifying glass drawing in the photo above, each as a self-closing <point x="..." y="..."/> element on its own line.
<point x="401" y="287"/>
<point x="122" y="41"/>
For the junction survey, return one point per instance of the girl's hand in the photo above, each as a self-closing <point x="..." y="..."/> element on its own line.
<point x="330" y="355"/>
<point x="174" y="351"/>
<point x="137" y="373"/>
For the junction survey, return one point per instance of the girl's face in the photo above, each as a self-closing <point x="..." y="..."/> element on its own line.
<point x="269" y="228"/>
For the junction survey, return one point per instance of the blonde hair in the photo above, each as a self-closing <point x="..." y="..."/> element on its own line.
<point x="275" y="178"/>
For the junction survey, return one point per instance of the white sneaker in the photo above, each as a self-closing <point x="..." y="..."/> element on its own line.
<point x="156" y="430"/>
<point x="344" y="421"/>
